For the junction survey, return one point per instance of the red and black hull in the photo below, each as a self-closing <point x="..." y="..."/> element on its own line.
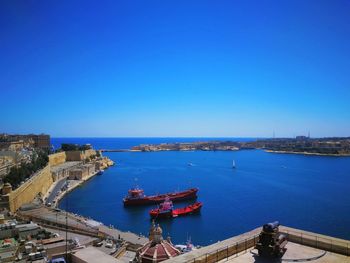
<point x="157" y="214"/>
<point x="157" y="199"/>
<point x="188" y="210"/>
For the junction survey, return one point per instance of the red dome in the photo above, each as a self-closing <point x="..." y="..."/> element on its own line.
<point x="157" y="249"/>
<point x="157" y="252"/>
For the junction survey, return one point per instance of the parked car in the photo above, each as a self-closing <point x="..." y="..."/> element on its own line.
<point x="109" y="244"/>
<point x="57" y="260"/>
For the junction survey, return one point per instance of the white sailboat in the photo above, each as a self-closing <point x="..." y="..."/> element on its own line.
<point x="233" y="164"/>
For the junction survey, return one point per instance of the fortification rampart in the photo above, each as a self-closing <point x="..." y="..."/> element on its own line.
<point x="79" y="155"/>
<point x="57" y="158"/>
<point x="38" y="184"/>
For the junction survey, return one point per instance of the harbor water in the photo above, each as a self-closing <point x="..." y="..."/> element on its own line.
<point x="305" y="192"/>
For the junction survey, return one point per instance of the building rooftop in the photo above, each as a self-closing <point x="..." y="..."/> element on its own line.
<point x="25" y="227"/>
<point x="93" y="255"/>
<point x="8" y="242"/>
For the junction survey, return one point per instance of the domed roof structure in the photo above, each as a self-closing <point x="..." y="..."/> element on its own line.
<point x="157" y="249"/>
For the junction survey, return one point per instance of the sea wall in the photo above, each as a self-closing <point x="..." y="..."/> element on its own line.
<point x="43" y="179"/>
<point x="57" y="158"/>
<point x="38" y="184"/>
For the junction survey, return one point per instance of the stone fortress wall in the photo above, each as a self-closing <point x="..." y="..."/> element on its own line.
<point x="69" y="156"/>
<point x="41" y="182"/>
<point x="57" y="158"/>
<point x="79" y="155"/>
<point x="38" y="184"/>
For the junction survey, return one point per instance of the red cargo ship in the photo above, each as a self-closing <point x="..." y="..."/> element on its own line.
<point x="136" y="196"/>
<point x="166" y="210"/>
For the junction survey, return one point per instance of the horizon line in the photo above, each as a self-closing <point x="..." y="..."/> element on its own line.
<point x="263" y="137"/>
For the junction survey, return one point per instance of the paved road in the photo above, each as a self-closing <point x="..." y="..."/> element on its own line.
<point x="128" y="236"/>
<point x="44" y="214"/>
<point x="55" y="190"/>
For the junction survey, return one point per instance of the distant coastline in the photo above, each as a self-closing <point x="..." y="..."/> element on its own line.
<point x="268" y="151"/>
<point x="299" y="145"/>
<point x="309" y="153"/>
<point x="333" y="146"/>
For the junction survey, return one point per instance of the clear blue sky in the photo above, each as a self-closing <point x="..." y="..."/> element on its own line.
<point x="175" y="68"/>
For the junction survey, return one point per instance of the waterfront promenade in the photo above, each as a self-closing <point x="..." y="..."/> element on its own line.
<point x="58" y="193"/>
<point x="62" y="220"/>
<point x="80" y="223"/>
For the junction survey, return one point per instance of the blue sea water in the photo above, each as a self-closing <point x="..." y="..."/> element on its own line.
<point x="306" y="192"/>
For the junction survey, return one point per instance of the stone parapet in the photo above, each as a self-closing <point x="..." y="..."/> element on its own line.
<point x="323" y="242"/>
<point x="224" y="249"/>
<point x="220" y="250"/>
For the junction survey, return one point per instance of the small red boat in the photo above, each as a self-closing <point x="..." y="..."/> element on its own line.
<point x="136" y="196"/>
<point x="166" y="210"/>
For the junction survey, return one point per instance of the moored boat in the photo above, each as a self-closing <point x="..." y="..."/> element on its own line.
<point x="136" y="196"/>
<point x="166" y="210"/>
<point x="190" y="209"/>
<point x="188" y="247"/>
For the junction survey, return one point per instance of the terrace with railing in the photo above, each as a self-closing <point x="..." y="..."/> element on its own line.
<point x="235" y="247"/>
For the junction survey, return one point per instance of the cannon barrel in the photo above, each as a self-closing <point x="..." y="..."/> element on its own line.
<point x="270" y="227"/>
<point x="271" y="242"/>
